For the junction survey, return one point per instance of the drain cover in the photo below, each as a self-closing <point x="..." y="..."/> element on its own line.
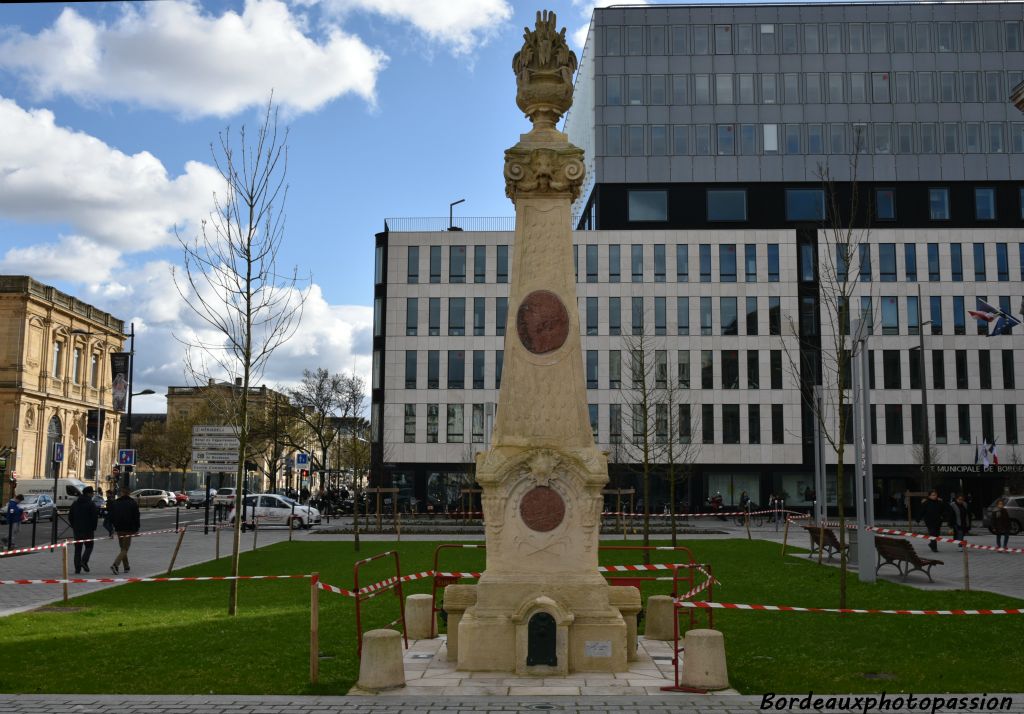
<point x="421" y="656"/>
<point x="540" y="707"/>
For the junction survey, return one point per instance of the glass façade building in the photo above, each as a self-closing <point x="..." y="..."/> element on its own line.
<point x="705" y="241"/>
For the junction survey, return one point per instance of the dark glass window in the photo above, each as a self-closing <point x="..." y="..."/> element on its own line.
<point x="751" y="315"/>
<point x="987" y="425"/>
<point x="913" y="315"/>
<point x="1002" y="262"/>
<point x="591" y="315"/>
<point x="591" y="369"/>
<point x="959" y="326"/>
<point x="729" y="316"/>
<point x="456" y="369"/>
<point x="727" y="205"/>
<point x="963" y="418"/>
<point x="938" y="369"/>
<point x="502" y="271"/>
<point x="805" y="204"/>
<point x="683" y="369"/>
<point x="413" y="269"/>
<point x="591" y="263"/>
<point x="410" y="369"/>
<point x="660" y="318"/>
<point x="885" y="204"/>
<point x="479" y="316"/>
<point x="659" y="263"/>
<point x="707" y="369"/>
<point x="938" y="204"/>
<point x="614" y="369"/>
<point x="730" y="369"/>
<point x="435" y="263"/>
<point x="985" y="203"/>
<point x="775" y="368"/>
<point x="682" y="315"/>
<point x="434" y="316"/>
<point x="479" y="263"/>
<point x="891" y="377"/>
<point x="456" y="263"/>
<point x="636" y="254"/>
<point x="778" y="425"/>
<point x="478" y="369"/>
<point x="1009" y="378"/>
<point x="411" y="316"/>
<point x="842" y="263"/>
<point x="933" y="262"/>
<point x="682" y="263"/>
<point x="935" y="313"/>
<point x="614" y="262"/>
<point x="864" y="250"/>
<point x="961" y="369"/>
<point x="887" y="262"/>
<point x="707" y="418"/>
<point x="705" y="316"/>
<point x="985" y="369"/>
<point x="807" y="262"/>
<point x="753" y="370"/>
<point x="941" y="432"/>
<point x="730" y="423"/>
<point x="499" y="363"/>
<point x="705" y="262"/>
<point x="773" y="262"/>
<point x="750" y="262"/>
<point x="614" y="316"/>
<point x="915" y="369"/>
<point x="979" y="262"/>
<point x="890" y="315"/>
<point x="910" y="261"/>
<point x="433" y="369"/>
<point x="1010" y="412"/>
<point x="500" y="315"/>
<point x="457" y="317"/>
<point x="894" y="423"/>
<point x="727" y="263"/>
<point x="647" y="205"/>
<point x="774" y="315"/>
<point x="638" y="315"/>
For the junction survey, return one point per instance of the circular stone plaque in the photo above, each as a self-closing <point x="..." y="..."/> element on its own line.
<point x="542" y="322"/>
<point x="542" y="509"/>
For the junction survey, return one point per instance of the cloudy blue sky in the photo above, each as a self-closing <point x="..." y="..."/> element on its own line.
<point x="108" y="110"/>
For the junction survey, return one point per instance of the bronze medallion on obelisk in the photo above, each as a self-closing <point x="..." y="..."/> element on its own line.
<point x="542" y="322"/>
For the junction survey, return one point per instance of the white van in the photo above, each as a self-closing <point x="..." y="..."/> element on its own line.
<point x="68" y="489"/>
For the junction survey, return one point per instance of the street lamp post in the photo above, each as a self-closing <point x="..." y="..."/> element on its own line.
<point x="131" y="383"/>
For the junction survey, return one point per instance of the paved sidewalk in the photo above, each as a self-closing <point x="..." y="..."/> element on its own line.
<point x="149" y="556"/>
<point x="667" y="704"/>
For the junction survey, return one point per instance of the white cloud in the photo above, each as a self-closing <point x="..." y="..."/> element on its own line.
<point x="460" y="24"/>
<point x="53" y="174"/>
<point x="174" y="56"/>
<point x="587" y="7"/>
<point x="69" y="259"/>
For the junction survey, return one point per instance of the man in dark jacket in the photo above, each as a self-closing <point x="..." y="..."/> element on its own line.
<point x="124" y="515"/>
<point x="84" y="517"/>
<point x="13" y="516"/>
<point x="932" y="512"/>
<point x="959" y="518"/>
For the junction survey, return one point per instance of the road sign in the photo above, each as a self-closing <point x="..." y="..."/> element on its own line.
<point x="214" y="468"/>
<point x="58" y="452"/>
<point x="302" y="459"/>
<point x="201" y="430"/>
<point x="219" y="456"/>
<point x="214" y="442"/>
<point x="126" y="457"/>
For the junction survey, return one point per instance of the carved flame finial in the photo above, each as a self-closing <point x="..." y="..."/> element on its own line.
<point x="544" y="69"/>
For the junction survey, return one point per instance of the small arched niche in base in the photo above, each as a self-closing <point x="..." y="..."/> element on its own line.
<point x="542" y="638"/>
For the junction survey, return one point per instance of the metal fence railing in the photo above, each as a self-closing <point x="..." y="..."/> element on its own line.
<point x="440" y="223"/>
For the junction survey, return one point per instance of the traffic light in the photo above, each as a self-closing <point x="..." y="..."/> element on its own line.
<point x="304" y="473"/>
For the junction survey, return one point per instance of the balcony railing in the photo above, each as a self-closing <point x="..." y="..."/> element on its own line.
<point x="433" y="225"/>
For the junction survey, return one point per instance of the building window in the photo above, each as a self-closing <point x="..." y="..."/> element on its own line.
<point x="683" y="369"/>
<point x="730" y="423"/>
<point x="614" y="316"/>
<point x="885" y="204"/>
<point x="58" y="359"/>
<point x="435" y="263"/>
<point x="410" y="369"/>
<point x="891" y="376"/>
<point x="479" y="316"/>
<point x="432" y="423"/>
<point x="648" y="205"/>
<point x="615" y="423"/>
<point x="727" y="205"/>
<point x="910" y="261"/>
<point x="913" y="315"/>
<point x="729" y="317"/>
<point x="637" y="304"/>
<point x="636" y="261"/>
<point x="963" y="418"/>
<point x="94" y="370"/>
<point x="707" y="418"/>
<point x="774" y="315"/>
<point x="956" y="262"/>
<point x="500" y="315"/>
<point x="659" y="263"/>
<point x="750" y="263"/>
<point x="707" y="369"/>
<point x="1009" y="378"/>
<point x="639" y="427"/>
<point x="705" y="316"/>
<point x="660" y="369"/>
<point x="479" y="263"/>
<point x="886" y="262"/>
<point x="683" y="315"/>
<point x="614" y="369"/>
<point x="960" y="360"/>
<point x="778" y="426"/>
<point x="502" y="272"/>
<point x="659" y="316"/>
<point x="1002" y="262"/>
<point x="456" y="423"/>
<point x="411" y="316"/>
<point x="985" y="204"/>
<point x="938" y="204"/>
<point x="751" y="315"/>
<point x="478" y="369"/>
<point x="457" y="317"/>
<point x="727" y="263"/>
<point x="890" y="315"/>
<point x="804" y="204"/>
<point x="753" y="370"/>
<point x="894" y="423"/>
<point x="979" y="262"/>
<point x="591" y="316"/>
<point x="682" y="263"/>
<point x="775" y="368"/>
<point x="76" y="365"/>
<point x="730" y="369"/>
<point x="985" y="369"/>
<point x="412" y="275"/>
<point x="933" y="262"/>
<point x="478" y="423"/>
<point x="592" y="413"/>
<point x="773" y="262"/>
<point x="433" y="369"/>
<point x="457" y="264"/>
<point x="499" y="363"/>
<point x="938" y="369"/>
<point x="614" y="262"/>
<point x="410" y="423"/>
<point x="705" y="262"/>
<point x="591" y="369"/>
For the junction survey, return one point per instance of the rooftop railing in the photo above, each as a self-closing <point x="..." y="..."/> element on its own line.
<point x="433" y="225"/>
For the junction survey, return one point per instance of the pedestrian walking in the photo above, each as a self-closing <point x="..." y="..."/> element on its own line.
<point x="933" y="512"/>
<point x="124" y="516"/>
<point x="84" y="517"/>
<point x="14" y="513"/>
<point x="959" y="518"/>
<point x="1001" y="524"/>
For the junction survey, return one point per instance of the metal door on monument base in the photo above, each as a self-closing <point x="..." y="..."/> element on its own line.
<point x="540" y="640"/>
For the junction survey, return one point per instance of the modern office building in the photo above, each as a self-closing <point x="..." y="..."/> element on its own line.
<point x="748" y="165"/>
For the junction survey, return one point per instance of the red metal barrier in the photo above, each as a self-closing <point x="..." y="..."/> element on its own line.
<point x="442" y="581"/>
<point x="709" y="583"/>
<point x="394" y="583"/>
<point x="637" y="580"/>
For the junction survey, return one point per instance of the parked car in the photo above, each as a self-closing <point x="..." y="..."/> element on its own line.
<point x="1015" y="509"/>
<point x="272" y="509"/>
<point x="154" y="497"/>
<point x="180" y="497"/>
<point x="225" y="497"/>
<point x="197" y="498"/>
<point x="41" y="503"/>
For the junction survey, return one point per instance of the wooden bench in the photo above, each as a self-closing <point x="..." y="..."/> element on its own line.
<point x="831" y="543"/>
<point x="897" y="551"/>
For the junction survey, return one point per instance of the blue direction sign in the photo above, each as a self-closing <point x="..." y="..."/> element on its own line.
<point x="126" y="457"/>
<point x="58" y="452"/>
<point x="302" y="459"/>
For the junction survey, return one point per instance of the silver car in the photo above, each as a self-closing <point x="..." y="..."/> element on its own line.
<point x="35" y="503"/>
<point x="154" y="497"/>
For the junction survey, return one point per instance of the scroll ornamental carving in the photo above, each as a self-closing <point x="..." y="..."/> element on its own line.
<point x="544" y="171"/>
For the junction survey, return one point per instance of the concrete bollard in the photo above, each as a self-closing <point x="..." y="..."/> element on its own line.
<point x="419" y="611"/>
<point x="627" y="601"/>
<point x="704" y="660"/>
<point x="457" y="599"/>
<point x="380" y="666"/>
<point x="661" y="615"/>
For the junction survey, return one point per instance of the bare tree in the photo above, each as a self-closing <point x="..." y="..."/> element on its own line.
<point x="681" y="450"/>
<point x="843" y="235"/>
<point x="230" y="278"/>
<point x="641" y="445"/>
<point x="355" y="441"/>
<point x="317" y="403"/>
<point x="167" y="444"/>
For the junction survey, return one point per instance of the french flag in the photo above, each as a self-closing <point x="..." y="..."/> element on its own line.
<point x="985" y="312"/>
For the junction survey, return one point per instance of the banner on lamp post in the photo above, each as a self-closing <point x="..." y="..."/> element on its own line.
<point x="119" y="364"/>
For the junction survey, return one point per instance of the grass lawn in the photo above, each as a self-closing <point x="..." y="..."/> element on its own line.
<point x="176" y="638"/>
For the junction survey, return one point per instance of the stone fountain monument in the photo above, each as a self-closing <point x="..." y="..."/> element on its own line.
<point x="541" y="607"/>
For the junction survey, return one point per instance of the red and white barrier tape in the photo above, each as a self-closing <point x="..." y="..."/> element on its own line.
<point x="88" y="581"/>
<point x="943" y="539"/>
<point x="845" y="610"/>
<point x="709" y="514"/>
<point x="65" y="543"/>
<point x="334" y="589"/>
